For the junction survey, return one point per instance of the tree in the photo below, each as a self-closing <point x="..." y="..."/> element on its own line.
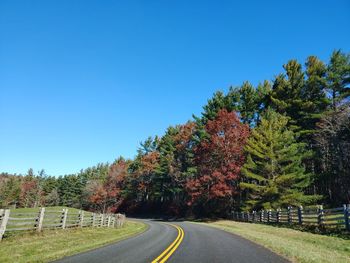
<point x="333" y="143"/>
<point x="263" y="93"/>
<point x="218" y="161"/>
<point x="142" y="171"/>
<point x="315" y="102"/>
<point x="10" y="191"/>
<point x="248" y="105"/>
<point x="52" y="198"/>
<point x="96" y="195"/>
<point x="273" y="174"/>
<point x="175" y="164"/>
<point x="338" y="76"/>
<point x="221" y="101"/>
<point x="115" y="184"/>
<point x="70" y="189"/>
<point x="286" y="95"/>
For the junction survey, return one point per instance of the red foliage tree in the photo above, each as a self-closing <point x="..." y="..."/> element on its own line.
<point x="219" y="160"/>
<point x="30" y="194"/>
<point x="148" y="165"/>
<point x="115" y="184"/>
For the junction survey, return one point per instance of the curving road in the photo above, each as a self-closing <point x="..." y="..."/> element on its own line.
<point x="179" y="242"/>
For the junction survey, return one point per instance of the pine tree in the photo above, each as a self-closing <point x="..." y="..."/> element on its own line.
<point x="286" y="96"/>
<point x="338" y="76"/>
<point x="248" y="105"/>
<point x="163" y="189"/>
<point x="273" y="173"/>
<point x="315" y="102"/>
<point x="221" y="101"/>
<point x="263" y="93"/>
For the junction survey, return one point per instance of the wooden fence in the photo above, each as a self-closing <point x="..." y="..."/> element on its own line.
<point x="316" y="215"/>
<point x="12" y="220"/>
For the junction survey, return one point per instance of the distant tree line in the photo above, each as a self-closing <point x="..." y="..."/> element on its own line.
<point x="284" y="142"/>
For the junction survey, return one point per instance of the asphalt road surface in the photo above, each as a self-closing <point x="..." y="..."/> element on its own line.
<point x="179" y="242"/>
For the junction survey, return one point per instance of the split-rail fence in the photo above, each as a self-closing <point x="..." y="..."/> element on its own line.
<point x="13" y="220"/>
<point x="313" y="216"/>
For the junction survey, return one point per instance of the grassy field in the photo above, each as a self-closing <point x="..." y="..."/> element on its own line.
<point x="295" y="245"/>
<point x="53" y="244"/>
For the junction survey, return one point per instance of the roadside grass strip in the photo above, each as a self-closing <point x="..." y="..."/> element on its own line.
<point x="165" y="255"/>
<point x="55" y="244"/>
<point x="295" y="245"/>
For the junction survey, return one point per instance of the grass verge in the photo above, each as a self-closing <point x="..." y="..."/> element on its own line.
<point x="295" y="245"/>
<point x="54" y="244"/>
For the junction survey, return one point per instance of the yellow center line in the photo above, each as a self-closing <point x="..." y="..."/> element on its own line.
<point x="172" y="247"/>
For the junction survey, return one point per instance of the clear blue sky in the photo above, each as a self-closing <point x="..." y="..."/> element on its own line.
<point x="83" y="82"/>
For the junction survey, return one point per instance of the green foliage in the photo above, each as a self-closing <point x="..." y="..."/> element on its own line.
<point x="273" y="174"/>
<point x="221" y="101"/>
<point x="286" y="95"/>
<point x="248" y="105"/>
<point x="10" y="190"/>
<point x="338" y="76"/>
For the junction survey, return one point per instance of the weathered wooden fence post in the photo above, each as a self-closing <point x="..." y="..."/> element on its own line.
<point x="64" y="217"/>
<point x="269" y="216"/>
<point x="102" y="219"/>
<point x="320" y="215"/>
<point x="278" y="215"/>
<point x="81" y="218"/>
<point x="93" y="219"/>
<point x="119" y="220"/>
<point x="290" y="215"/>
<point x="261" y="216"/>
<point x="113" y="221"/>
<point x="4" y="220"/>
<point x="300" y="215"/>
<point x="40" y="219"/>
<point x="123" y="219"/>
<point x="109" y="221"/>
<point x="346" y="217"/>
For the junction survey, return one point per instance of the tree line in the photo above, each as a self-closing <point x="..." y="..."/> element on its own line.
<point x="283" y="142"/>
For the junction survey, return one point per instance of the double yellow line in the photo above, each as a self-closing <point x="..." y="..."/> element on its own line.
<point x="173" y="246"/>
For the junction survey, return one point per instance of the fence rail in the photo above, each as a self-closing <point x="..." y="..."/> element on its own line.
<point x="11" y="220"/>
<point x="317" y="216"/>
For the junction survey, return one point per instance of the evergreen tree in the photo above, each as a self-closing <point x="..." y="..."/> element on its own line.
<point x="248" y="105"/>
<point x="338" y="76"/>
<point x="286" y="96"/>
<point x="221" y="101"/>
<point x="273" y="173"/>
<point x="314" y="97"/>
<point x="263" y="93"/>
<point x="10" y="192"/>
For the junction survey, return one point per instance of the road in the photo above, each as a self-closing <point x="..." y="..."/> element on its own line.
<point x="179" y="242"/>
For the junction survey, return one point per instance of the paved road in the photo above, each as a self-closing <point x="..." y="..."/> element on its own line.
<point x="199" y="244"/>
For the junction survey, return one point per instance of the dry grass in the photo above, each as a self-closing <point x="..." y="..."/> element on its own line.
<point x="295" y="245"/>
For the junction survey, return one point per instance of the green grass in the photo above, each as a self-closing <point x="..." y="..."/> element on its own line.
<point x="54" y="244"/>
<point x="295" y="245"/>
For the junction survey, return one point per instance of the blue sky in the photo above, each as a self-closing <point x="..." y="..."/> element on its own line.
<point x="83" y="82"/>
